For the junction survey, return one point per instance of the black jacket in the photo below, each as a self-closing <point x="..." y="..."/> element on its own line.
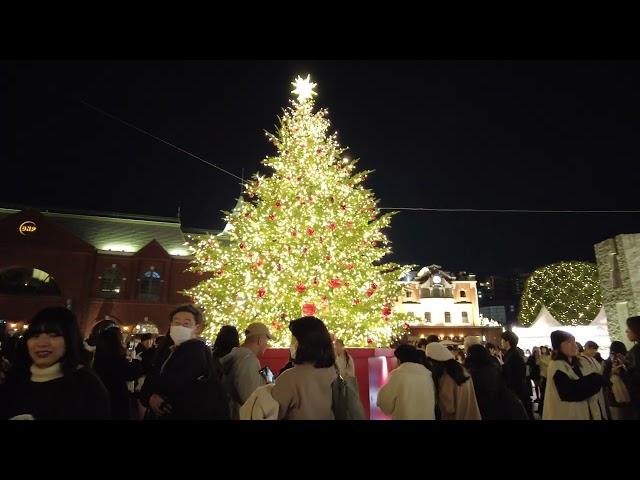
<point x="534" y="368"/>
<point x="495" y="400"/>
<point x="190" y="381"/>
<point x="633" y="375"/>
<point x="147" y="357"/>
<point x="514" y="373"/>
<point x="76" y="396"/>
<point x="115" y="372"/>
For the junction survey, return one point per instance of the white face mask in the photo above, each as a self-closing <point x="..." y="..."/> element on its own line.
<point x="292" y="350"/>
<point x="180" y="334"/>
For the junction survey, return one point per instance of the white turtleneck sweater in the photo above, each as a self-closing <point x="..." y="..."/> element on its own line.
<point x="46" y="374"/>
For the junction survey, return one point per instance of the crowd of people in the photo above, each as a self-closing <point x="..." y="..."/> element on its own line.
<point x="52" y="373"/>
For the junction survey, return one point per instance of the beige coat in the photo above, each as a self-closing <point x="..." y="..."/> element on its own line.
<point x="457" y="402"/>
<point x="556" y="409"/>
<point x="408" y="394"/>
<point x="543" y="363"/>
<point x="260" y="405"/>
<point x="304" y="393"/>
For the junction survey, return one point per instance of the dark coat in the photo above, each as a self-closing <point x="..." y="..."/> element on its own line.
<point x="190" y="381"/>
<point x="76" y="396"/>
<point x="115" y="372"/>
<point x="148" y="357"/>
<point x="633" y="375"/>
<point x="495" y="400"/>
<point x="515" y="376"/>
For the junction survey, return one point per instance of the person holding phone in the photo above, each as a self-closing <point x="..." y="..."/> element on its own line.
<point x="242" y="368"/>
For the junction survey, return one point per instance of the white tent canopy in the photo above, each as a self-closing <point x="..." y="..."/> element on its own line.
<point x="539" y="333"/>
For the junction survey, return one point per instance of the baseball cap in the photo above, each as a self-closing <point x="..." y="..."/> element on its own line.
<point x="257" y="329"/>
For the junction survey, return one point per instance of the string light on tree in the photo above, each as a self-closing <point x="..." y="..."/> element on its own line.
<point x="569" y="290"/>
<point x="306" y="240"/>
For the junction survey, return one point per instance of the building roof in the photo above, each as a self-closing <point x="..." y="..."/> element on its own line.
<point x="119" y="232"/>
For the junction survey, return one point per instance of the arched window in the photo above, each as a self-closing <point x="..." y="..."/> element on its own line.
<point x="30" y="281"/>
<point x="111" y="282"/>
<point x="150" y="284"/>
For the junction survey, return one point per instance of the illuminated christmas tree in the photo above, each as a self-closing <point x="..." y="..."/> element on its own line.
<point x="569" y="290"/>
<point x="305" y="240"/>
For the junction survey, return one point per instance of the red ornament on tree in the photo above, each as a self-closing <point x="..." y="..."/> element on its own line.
<point x="369" y="292"/>
<point x="310" y="231"/>
<point x="374" y="286"/>
<point x="243" y="245"/>
<point x="278" y="204"/>
<point x="300" y="288"/>
<point x="369" y="340"/>
<point x="356" y="301"/>
<point x="327" y="257"/>
<point x="261" y="292"/>
<point x="271" y="217"/>
<point x="335" y="283"/>
<point x="332" y="226"/>
<point x="386" y="311"/>
<point x="309" y="309"/>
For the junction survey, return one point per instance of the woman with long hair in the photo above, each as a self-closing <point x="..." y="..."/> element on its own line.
<point x="456" y="395"/>
<point x="632" y="362"/>
<point x="495" y="400"/>
<point x="48" y="380"/>
<point x="227" y="339"/>
<point x="115" y="370"/>
<point x="616" y="391"/>
<point x="304" y="392"/>
<point x="344" y="361"/>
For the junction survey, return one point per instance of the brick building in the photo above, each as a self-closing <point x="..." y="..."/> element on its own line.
<point x="127" y="267"/>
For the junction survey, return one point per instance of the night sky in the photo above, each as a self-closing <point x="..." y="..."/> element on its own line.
<point x="440" y="134"/>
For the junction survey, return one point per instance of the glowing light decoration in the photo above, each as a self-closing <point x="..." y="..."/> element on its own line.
<point x="306" y="239"/>
<point x="304" y="88"/>
<point x="569" y="290"/>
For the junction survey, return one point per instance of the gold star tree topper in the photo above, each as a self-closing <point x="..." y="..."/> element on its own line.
<point x="304" y="88"/>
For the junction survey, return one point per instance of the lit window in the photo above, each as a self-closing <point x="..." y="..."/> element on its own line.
<point x="465" y="317"/>
<point x="447" y="317"/>
<point x="29" y="281"/>
<point x="111" y="282"/>
<point x="149" y="286"/>
<point x="427" y="317"/>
